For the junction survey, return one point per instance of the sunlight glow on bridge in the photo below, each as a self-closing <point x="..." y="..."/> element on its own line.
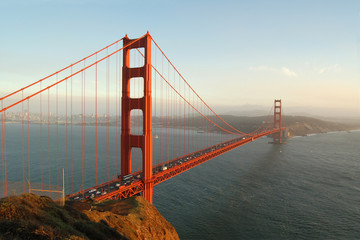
<point x="118" y="121"/>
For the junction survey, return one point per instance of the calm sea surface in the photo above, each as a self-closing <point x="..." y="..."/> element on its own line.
<point x="308" y="188"/>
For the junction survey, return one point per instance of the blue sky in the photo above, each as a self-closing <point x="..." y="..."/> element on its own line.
<point x="244" y="52"/>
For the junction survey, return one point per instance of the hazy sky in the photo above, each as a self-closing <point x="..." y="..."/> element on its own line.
<point x="244" y="52"/>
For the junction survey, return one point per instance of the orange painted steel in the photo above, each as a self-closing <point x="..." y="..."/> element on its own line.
<point x="57" y="82"/>
<point x="193" y="107"/>
<point x="171" y="172"/>
<point x="124" y="191"/>
<point x="239" y="132"/>
<point x="142" y="181"/>
<point x="138" y="186"/>
<point x="277" y="121"/>
<point x="144" y="141"/>
<point x="70" y="66"/>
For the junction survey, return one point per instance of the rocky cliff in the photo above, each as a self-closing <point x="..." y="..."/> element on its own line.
<point x="33" y="217"/>
<point x="134" y="218"/>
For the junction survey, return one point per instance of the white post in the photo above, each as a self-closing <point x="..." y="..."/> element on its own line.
<point x="63" y="191"/>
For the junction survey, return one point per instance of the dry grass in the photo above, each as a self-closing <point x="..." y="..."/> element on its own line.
<point x="29" y="216"/>
<point x="32" y="217"/>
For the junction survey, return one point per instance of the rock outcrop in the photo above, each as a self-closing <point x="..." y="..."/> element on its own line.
<point x="134" y="218"/>
<point x="29" y="216"/>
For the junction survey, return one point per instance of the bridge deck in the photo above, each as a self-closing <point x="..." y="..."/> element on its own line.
<point x="118" y="189"/>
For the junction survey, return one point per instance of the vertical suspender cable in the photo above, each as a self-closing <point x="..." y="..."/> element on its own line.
<point x="82" y="130"/>
<point x="23" y="139"/>
<point x="107" y="117"/>
<point x="2" y="148"/>
<point x="116" y="111"/>
<point x="57" y="132"/>
<point x="49" y="138"/>
<point x="154" y="125"/>
<point x="184" y="121"/>
<point x="71" y="133"/>
<point x="139" y="127"/>
<point x="6" y="186"/>
<point x="96" y="119"/>
<point x="28" y="137"/>
<point x="41" y="141"/>
<point x="189" y="120"/>
<point x="174" y="118"/>
<point x="179" y="119"/>
<point x="161" y="112"/>
<point x="168" y="100"/>
<point x="84" y="124"/>
<point x="3" y="145"/>
<point x="66" y="137"/>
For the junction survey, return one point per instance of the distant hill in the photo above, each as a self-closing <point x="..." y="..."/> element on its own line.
<point x="297" y="125"/>
<point x="300" y="126"/>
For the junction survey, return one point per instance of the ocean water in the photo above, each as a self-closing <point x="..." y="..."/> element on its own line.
<point x="308" y="188"/>
<point x="77" y="154"/>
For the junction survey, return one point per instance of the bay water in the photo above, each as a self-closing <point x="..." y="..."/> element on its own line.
<point x="308" y="188"/>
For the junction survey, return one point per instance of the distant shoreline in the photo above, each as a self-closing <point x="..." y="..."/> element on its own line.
<point x="331" y="132"/>
<point x="297" y="125"/>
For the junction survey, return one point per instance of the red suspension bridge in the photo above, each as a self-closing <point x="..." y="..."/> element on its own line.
<point x="118" y="122"/>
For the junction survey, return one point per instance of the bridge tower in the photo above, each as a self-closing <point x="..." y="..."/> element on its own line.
<point x="128" y="140"/>
<point x="277" y="122"/>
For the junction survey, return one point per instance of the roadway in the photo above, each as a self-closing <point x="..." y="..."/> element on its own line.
<point x="132" y="184"/>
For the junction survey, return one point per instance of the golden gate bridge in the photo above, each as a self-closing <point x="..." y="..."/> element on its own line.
<point x="118" y="121"/>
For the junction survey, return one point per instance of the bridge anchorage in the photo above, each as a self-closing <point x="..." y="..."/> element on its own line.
<point x="58" y="117"/>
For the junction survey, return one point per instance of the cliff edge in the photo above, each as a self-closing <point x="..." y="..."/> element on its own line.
<point x="29" y="216"/>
